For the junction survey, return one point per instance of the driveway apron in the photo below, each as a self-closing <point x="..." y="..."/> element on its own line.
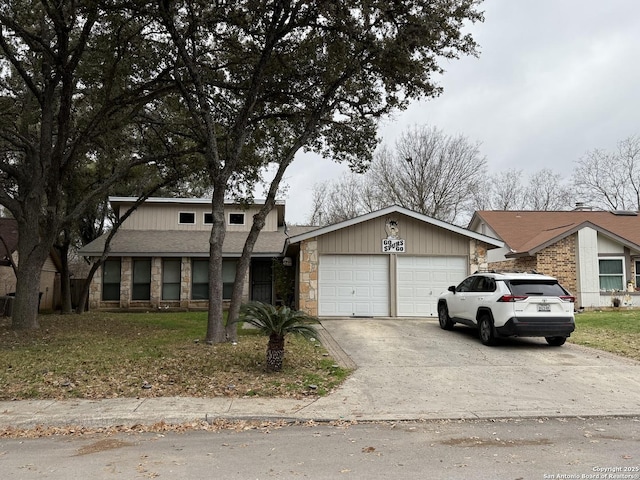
<point x="411" y="369"/>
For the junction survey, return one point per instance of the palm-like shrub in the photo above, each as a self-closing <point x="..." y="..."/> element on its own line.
<point x="276" y="323"/>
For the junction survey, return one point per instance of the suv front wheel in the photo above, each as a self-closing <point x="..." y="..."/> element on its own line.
<point x="555" y="341"/>
<point x="485" y="329"/>
<point x="443" y="317"/>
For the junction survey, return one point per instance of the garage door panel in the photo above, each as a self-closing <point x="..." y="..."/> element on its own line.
<point x="353" y="285"/>
<point x="421" y="280"/>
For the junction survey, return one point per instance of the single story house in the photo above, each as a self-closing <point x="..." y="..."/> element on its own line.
<point x="50" y="275"/>
<point x="594" y="254"/>
<point x="393" y="262"/>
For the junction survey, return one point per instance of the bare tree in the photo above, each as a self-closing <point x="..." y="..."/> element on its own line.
<point x="516" y="190"/>
<point x="505" y="191"/>
<point x="335" y="202"/>
<point x="611" y="180"/>
<point x="428" y="171"/>
<point x="547" y="191"/>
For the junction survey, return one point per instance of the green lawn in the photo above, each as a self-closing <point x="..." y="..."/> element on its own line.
<point x="105" y="355"/>
<point x="616" y="331"/>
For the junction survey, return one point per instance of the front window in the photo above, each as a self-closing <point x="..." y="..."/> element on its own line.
<point x="200" y="279"/>
<point x="188" y="218"/>
<point x="141" y="279"/>
<point x="228" y="277"/>
<point x="611" y="274"/>
<point x="171" y="279"/>
<point x="236" y="219"/>
<point x="111" y="279"/>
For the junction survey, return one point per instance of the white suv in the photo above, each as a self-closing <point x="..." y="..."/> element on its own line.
<point x="510" y="304"/>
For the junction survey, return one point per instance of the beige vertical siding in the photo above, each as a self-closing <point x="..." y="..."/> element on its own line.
<point x="156" y="216"/>
<point x="420" y="238"/>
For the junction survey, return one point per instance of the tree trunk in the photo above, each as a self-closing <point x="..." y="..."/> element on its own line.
<point x="65" y="276"/>
<point x="242" y="267"/>
<point x="33" y="252"/>
<point x="215" y="323"/>
<point x="275" y="353"/>
<point x="257" y="226"/>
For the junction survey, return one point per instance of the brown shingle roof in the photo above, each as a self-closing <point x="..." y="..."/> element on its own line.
<point x="185" y="243"/>
<point x="526" y="232"/>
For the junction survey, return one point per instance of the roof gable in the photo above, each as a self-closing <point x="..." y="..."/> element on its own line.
<point x="528" y="232"/>
<point x="400" y="210"/>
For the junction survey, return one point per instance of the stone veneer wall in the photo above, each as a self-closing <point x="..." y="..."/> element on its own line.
<point x="155" y="296"/>
<point x="185" y="282"/>
<point x="126" y="281"/>
<point x="95" y="290"/>
<point x="308" y="281"/>
<point x="477" y="256"/>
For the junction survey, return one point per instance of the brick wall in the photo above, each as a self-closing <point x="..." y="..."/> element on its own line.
<point x="523" y="264"/>
<point x="557" y="260"/>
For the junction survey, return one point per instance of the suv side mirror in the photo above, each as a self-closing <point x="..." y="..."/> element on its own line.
<point x="452" y="288"/>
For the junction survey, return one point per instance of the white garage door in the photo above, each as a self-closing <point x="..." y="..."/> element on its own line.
<point x="422" y="279"/>
<point x="353" y="285"/>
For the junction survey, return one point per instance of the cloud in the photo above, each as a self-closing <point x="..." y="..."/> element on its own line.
<point x="554" y="80"/>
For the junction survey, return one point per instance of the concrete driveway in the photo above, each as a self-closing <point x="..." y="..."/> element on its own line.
<point x="410" y="369"/>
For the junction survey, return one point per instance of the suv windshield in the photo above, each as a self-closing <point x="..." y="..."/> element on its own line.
<point x="548" y="288"/>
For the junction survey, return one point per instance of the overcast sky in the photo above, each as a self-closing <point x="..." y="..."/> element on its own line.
<point x="554" y="80"/>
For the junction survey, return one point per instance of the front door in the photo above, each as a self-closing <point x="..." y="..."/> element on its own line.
<point x="261" y="281"/>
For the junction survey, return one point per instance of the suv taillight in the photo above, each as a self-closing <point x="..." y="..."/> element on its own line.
<point x="512" y="298"/>
<point x="568" y="298"/>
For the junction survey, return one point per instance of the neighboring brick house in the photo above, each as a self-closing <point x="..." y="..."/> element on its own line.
<point x="594" y="254"/>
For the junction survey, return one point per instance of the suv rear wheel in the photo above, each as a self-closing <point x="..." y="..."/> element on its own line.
<point x="555" y="341"/>
<point x="443" y="317"/>
<point x="485" y="330"/>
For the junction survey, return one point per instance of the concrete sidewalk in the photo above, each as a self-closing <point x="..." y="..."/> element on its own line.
<point x="407" y="370"/>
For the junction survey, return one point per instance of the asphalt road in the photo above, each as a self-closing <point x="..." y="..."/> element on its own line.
<point x="603" y="448"/>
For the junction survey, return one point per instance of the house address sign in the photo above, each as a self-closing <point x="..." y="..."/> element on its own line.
<point x="393" y="243"/>
<point x="390" y="245"/>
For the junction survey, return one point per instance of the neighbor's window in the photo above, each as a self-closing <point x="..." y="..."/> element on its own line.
<point x="111" y="279"/>
<point x="171" y="278"/>
<point x="200" y="279"/>
<point x="141" y="279"/>
<point x="208" y="219"/>
<point x="187" y="218"/>
<point x="611" y="274"/>
<point x="236" y="219"/>
<point x="637" y="273"/>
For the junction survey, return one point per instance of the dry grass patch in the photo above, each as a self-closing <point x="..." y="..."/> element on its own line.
<point x="107" y="355"/>
<point x="615" y="331"/>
